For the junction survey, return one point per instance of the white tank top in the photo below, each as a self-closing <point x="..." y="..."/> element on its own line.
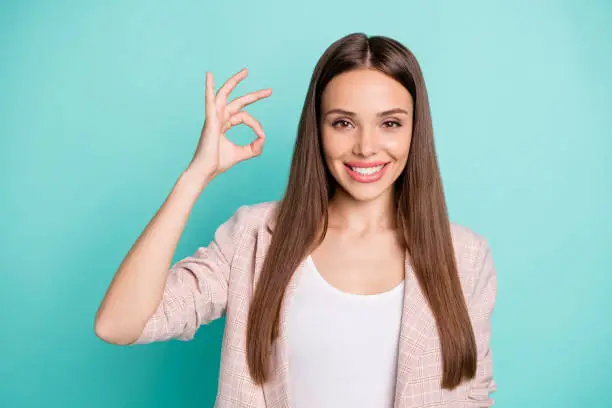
<point x="342" y="346"/>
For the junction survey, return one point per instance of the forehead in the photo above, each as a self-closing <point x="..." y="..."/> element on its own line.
<point x="365" y="90"/>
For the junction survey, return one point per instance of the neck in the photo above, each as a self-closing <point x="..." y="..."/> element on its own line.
<point x="361" y="217"/>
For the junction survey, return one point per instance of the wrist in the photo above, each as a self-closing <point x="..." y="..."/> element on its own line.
<point x="195" y="179"/>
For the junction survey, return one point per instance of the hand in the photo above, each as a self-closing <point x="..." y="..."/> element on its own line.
<point x="215" y="153"/>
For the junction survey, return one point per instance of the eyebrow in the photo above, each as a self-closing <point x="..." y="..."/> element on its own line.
<point x="379" y="114"/>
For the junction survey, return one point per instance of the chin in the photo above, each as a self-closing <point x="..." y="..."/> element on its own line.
<point x="365" y="194"/>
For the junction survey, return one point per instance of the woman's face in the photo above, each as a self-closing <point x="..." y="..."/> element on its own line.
<point x="366" y="129"/>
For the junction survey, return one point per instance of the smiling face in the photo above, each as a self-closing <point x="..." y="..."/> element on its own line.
<point x="366" y="130"/>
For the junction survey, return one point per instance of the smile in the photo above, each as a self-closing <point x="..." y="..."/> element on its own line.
<point x="366" y="172"/>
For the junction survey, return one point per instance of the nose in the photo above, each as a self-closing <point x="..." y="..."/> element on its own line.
<point x="365" y="143"/>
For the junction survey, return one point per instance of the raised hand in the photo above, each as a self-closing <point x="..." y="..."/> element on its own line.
<point x="215" y="153"/>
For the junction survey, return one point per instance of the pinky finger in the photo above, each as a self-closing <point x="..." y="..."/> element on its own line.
<point x="210" y="94"/>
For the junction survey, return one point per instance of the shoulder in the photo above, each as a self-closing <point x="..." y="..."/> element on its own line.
<point x="466" y="239"/>
<point x="473" y="256"/>
<point x="240" y="231"/>
<point x="253" y="216"/>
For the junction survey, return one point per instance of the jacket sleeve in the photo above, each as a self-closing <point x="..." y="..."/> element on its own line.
<point x="196" y="288"/>
<point x="481" y="307"/>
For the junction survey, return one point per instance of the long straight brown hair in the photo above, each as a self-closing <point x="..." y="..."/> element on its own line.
<point x="421" y="212"/>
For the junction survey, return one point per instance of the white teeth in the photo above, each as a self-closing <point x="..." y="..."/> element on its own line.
<point x="367" y="170"/>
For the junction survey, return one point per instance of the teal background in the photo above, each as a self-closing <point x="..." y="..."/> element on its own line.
<point x="101" y="105"/>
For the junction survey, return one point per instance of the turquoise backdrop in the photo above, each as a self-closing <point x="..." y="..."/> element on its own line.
<point x="101" y="105"/>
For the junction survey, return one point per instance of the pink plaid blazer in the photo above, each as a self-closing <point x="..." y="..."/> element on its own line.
<point x="226" y="272"/>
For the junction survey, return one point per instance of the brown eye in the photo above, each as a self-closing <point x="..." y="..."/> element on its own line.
<point x="341" y="121"/>
<point x="395" y="123"/>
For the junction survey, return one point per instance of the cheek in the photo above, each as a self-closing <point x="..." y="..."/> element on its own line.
<point x="335" y="147"/>
<point x="398" y="148"/>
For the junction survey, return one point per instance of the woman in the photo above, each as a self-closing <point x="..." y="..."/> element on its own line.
<point x="355" y="290"/>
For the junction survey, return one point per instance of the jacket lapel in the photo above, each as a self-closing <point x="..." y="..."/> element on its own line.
<point x="417" y="323"/>
<point x="276" y="389"/>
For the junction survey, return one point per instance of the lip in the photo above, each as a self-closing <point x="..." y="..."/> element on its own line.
<point x="366" y="178"/>
<point x="365" y="164"/>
